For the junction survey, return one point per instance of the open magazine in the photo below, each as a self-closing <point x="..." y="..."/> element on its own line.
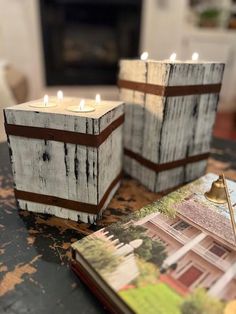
<point x="177" y="255"/>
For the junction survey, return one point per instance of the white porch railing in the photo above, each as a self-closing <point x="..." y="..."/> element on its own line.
<point x="199" y="249"/>
<point x="171" y="231"/>
<point x="212" y="258"/>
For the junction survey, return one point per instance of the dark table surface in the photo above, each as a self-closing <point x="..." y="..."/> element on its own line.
<point x="34" y="249"/>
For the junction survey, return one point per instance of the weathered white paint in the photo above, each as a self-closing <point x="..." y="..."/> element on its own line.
<point x="61" y="119"/>
<point x="165" y="129"/>
<point x="110" y="155"/>
<point x="69" y="171"/>
<point x="66" y="213"/>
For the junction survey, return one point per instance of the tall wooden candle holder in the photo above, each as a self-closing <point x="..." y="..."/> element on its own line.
<point x="65" y="163"/>
<point x="169" y="114"/>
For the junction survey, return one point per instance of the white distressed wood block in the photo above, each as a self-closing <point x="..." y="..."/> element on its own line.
<point x="162" y="128"/>
<point x="66" y="178"/>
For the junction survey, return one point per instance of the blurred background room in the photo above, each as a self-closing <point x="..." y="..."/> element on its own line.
<point x="75" y="45"/>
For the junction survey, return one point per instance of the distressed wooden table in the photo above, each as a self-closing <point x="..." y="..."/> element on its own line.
<point x="34" y="269"/>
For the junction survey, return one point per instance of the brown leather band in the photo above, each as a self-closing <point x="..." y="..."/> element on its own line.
<point x="160" y="90"/>
<point x="65" y="203"/>
<point x="62" y="135"/>
<point x="165" y="166"/>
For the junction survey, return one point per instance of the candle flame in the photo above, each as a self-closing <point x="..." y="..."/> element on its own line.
<point x="195" y="56"/>
<point x="81" y="104"/>
<point x="60" y="95"/>
<point x="98" y="99"/>
<point x="144" y="56"/>
<point x="173" y="57"/>
<point x="45" y="100"/>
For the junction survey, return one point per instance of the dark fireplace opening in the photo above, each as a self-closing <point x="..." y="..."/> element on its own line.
<point x="83" y="40"/>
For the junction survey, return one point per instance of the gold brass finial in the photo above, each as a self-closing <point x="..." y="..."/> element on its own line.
<point x="217" y="192"/>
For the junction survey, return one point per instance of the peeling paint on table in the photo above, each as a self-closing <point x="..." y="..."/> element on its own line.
<point x="34" y="249"/>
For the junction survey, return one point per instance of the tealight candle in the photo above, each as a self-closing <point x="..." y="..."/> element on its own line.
<point x="45" y="100"/>
<point x="81" y="104"/>
<point x="44" y="104"/>
<point x="60" y="95"/>
<point x="194" y="59"/>
<point x="195" y="56"/>
<point x="144" y="56"/>
<point x="81" y="107"/>
<point x="97" y="99"/>
<point x="173" y="57"/>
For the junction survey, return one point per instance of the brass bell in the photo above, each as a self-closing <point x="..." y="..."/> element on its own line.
<point x="217" y="192"/>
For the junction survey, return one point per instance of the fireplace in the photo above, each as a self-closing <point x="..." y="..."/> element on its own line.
<point x="84" y="39"/>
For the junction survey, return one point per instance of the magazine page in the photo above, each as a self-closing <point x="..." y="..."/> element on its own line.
<point x="177" y="255"/>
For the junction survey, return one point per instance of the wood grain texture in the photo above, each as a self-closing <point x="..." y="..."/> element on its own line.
<point x="69" y="171"/>
<point x="165" y="129"/>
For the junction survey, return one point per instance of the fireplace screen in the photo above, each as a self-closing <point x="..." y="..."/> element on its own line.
<point x="84" y="40"/>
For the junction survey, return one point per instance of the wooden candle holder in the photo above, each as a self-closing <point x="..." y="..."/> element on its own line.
<point x="169" y="115"/>
<point x="64" y="163"/>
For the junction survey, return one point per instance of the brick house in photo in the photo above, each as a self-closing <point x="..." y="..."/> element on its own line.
<point x="202" y="255"/>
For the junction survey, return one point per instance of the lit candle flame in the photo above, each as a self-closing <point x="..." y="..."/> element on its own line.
<point x="60" y="95"/>
<point x="173" y="57"/>
<point x="144" y="56"/>
<point x="81" y="104"/>
<point x="98" y="99"/>
<point x="45" y="100"/>
<point x="195" y="56"/>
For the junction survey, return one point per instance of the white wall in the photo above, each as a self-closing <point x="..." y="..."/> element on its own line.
<point x="162" y="27"/>
<point x="20" y="40"/>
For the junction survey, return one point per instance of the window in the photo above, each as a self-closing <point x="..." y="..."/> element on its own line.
<point x="181" y="225"/>
<point x="218" y="250"/>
